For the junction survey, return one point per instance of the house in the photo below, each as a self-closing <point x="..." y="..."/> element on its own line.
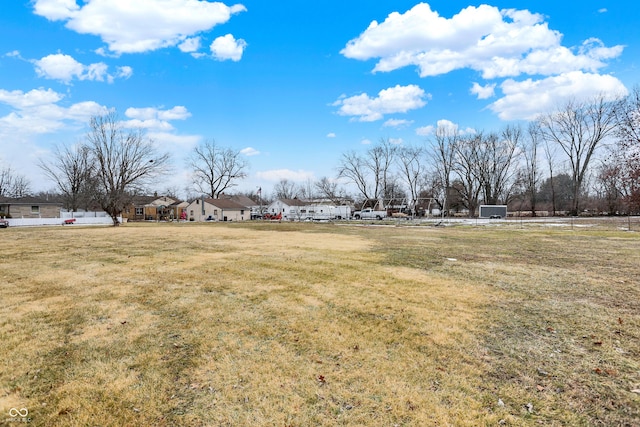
<point x="179" y="209"/>
<point x="291" y="209"/>
<point x="254" y="208"/>
<point x="153" y="208"/>
<point x="29" y="207"/>
<point x="208" y="209"/>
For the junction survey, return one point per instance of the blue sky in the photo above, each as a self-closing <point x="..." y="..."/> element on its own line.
<point x="296" y="84"/>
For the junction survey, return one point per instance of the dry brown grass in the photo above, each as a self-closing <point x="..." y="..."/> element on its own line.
<point x="308" y="324"/>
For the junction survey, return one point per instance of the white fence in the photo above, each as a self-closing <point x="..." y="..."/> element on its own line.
<point x="83" y="214"/>
<point x="79" y="220"/>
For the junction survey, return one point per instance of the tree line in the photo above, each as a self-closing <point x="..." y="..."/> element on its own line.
<point x="585" y="154"/>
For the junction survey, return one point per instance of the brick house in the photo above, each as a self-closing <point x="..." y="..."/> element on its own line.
<point x="29" y="207"/>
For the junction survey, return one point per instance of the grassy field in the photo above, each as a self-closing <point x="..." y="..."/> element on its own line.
<point x="282" y="324"/>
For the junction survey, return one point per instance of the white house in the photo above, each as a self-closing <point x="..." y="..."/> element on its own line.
<point x="207" y="209"/>
<point x="299" y="210"/>
<point x="253" y="206"/>
<point x="291" y="209"/>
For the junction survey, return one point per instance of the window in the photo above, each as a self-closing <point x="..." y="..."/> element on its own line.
<point x="139" y="211"/>
<point x="215" y="212"/>
<point x="35" y="209"/>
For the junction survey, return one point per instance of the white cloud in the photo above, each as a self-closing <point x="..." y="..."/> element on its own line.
<point x="425" y="130"/>
<point x="157" y="126"/>
<point x="397" y="123"/>
<point x="97" y="71"/>
<point x="81" y="112"/>
<point x="178" y="112"/>
<point x="227" y="47"/>
<point x="175" y="144"/>
<point x="365" y="141"/>
<point x="191" y="44"/>
<point x="124" y="72"/>
<point x="59" y="67"/>
<point x="154" y="124"/>
<point x="65" y="68"/>
<point x="250" y="151"/>
<point x="36" y="97"/>
<point x="276" y="175"/>
<point x="139" y="26"/>
<point x="41" y="112"/>
<point x="398" y="99"/>
<point x="38" y="112"/>
<point x="331" y="135"/>
<point x="55" y="10"/>
<point x="396" y="141"/>
<point x="595" y="48"/>
<point x="443" y="125"/>
<point x="498" y="43"/>
<point x="447" y="126"/>
<point x="154" y="118"/>
<point x="483" y="92"/>
<point x="526" y="99"/>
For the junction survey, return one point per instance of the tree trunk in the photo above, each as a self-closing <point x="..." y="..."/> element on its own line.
<point x="553" y="196"/>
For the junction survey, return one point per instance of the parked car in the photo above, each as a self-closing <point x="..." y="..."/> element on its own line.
<point x="369" y="213"/>
<point x="4" y="223"/>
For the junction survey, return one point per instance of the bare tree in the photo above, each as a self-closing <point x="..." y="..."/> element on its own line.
<point x="306" y="190"/>
<point x="627" y="149"/>
<point x="579" y="128"/>
<point x="372" y="172"/>
<point x="609" y="186"/>
<point x="329" y="190"/>
<point x="379" y="160"/>
<point x="467" y="173"/>
<point x="125" y="161"/>
<point x="73" y="171"/>
<point x="445" y="146"/>
<point x="172" y="191"/>
<point x="550" y="156"/>
<point x="557" y="191"/>
<point x="354" y="168"/>
<point x="216" y="169"/>
<point x="531" y="169"/>
<point x="411" y="164"/>
<point x="628" y="119"/>
<point x="286" y="189"/>
<point x="495" y="163"/>
<point x="13" y="184"/>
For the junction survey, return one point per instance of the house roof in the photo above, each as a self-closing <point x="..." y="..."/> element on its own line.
<point x="143" y="200"/>
<point x="153" y="200"/>
<point x="28" y="200"/>
<point x="243" y="200"/>
<point x="225" y="204"/>
<point x="294" y="202"/>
